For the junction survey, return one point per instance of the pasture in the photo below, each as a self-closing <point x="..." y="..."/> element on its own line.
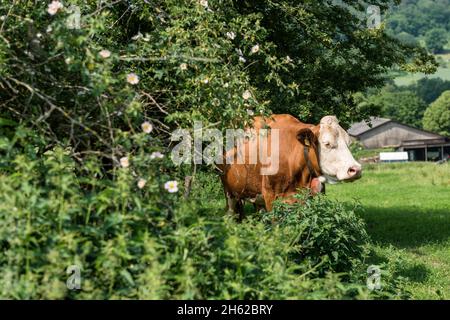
<point x="406" y="207"/>
<point x="409" y="78"/>
<point x="443" y="72"/>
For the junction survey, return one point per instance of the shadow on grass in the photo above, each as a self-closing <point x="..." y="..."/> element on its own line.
<point x="413" y="271"/>
<point x="407" y="227"/>
<point x="416" y="273"/>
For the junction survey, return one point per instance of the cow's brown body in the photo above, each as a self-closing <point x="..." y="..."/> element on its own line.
<point x="245" y="181"/>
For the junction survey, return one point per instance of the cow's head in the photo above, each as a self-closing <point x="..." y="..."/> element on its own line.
<point x="336" y="160"/>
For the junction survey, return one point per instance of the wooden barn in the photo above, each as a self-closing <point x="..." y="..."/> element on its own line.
<point x="421" y="145"/>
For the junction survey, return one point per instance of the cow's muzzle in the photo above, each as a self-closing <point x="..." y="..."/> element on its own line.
<point x="354" y="173"/>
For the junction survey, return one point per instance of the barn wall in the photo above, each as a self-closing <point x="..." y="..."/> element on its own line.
<point x="392" y="134"/>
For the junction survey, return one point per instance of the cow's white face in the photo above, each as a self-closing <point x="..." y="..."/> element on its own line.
<point x="336" y="160"/>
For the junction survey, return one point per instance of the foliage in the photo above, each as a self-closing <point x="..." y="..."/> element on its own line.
<point x="403" y="106"/>
<point x="417" y="17"/>
<point x="325" y="232"/>
<point x="429" y="89"/>
<point x="333" y="57"/>
<point x="130" y="246"/>
<point x="437" y="116"/>
<point x="406" y="104"/>
<point x="407" y="38"/>
<point x="188" y="67"/>
<point x="436" y="39"/>
<point x="359" y="151"/>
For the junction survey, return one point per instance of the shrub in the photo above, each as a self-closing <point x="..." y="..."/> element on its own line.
<point x="327" y="234"/>
<point x="129" y="245"/>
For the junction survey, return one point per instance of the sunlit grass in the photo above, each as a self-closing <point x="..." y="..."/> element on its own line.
<point x="407" y="210"/>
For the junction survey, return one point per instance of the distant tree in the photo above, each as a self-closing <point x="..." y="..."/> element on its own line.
<point x="437" y="116"/>
<point x="407" y="38"/>
<point x="417" y="17"/>
<point x="365" y="105"/>
<point x="436" y="39"/>
<point x="403" y="106"/>
<point x="429" y="89"/>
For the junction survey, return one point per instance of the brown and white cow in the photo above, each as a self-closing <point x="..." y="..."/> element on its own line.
<point x="308" y="155"/>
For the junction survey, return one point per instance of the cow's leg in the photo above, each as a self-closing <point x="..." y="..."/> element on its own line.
<point x="240" y="210"/>
<point x="231" y="202"/>
<point x="259" y="203"/>
<point x="290" y="198"/>
<point x="268" y="193"/>
<point x="269" y="198"/>
<point x="235" y="206"/>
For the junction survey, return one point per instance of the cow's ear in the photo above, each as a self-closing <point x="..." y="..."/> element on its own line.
<point x="306" y="137"/>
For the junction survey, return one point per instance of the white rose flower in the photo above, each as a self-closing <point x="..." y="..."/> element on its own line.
<point x="137" y="36"/>
<point x="132" y="78"/>
<point x="105" y="53"/>
<point x="124" y="162"/>
<point x="255" y="49"/>
<point x="231" y="35"/>
<point x="171" y="186"/>
<point x="156" y="154"/>
<point x="147" y="127"/>
<point x="183" y="66"/>
<point x="54" y="6"/>
<point x="246" y="95"/>
<point x="141" y="183"/>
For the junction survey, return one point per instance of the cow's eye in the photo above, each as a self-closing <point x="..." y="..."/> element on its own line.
<point x="328" y="145"/>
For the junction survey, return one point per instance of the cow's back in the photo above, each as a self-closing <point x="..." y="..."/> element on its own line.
<point x="245" y="180"/>
<point x="278" y="121"/>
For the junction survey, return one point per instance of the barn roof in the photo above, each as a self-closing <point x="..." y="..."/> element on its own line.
<point x="359" y="128"/>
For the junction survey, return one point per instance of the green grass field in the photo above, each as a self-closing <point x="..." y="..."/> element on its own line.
<point x="406" y="207"/>
<point x="407" y="210"/>
<point x="410" y="78"/>
<point x="443" y="72"/>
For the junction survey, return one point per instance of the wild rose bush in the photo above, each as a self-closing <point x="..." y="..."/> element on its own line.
<point x="89" y="94"/>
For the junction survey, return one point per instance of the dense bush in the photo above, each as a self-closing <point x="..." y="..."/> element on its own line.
<point x="131" y="246"/>
<point x="327" y="233"/>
